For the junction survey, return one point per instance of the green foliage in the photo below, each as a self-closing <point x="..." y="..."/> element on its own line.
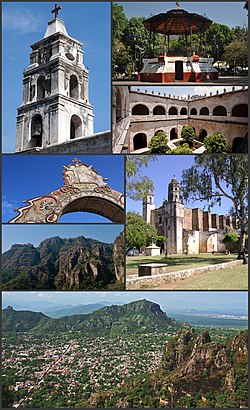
<point x="218" y="37"/>
<point x="181" y="149"/>
<point x="215" y="143"/>
<point x="119" y="21"/>
<point x="160" y="240"/>
<point x="138" y="186"/>
<point x="138" y="232"/>
<point x="236" y="53"/>
<point x="158" y="143"/>
<point x="215" y="177"/>
<point x="188" y="135"/>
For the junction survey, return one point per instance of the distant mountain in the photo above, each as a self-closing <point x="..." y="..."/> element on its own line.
<point x="21" y="321"/>
<point x="57" y="312"/>
<point x="63" y="264"/>
<point x="136" y="317"/>
<point x="195" y="373"/>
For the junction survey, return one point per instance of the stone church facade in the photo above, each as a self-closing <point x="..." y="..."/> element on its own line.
<point x="55" y="115"/>
<point x="188" y="230"/>
<point x="137" y="116"/>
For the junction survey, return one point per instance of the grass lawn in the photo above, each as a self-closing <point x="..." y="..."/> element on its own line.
<point x="229" y="278"/>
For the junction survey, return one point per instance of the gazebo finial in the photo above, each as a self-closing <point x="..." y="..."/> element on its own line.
<point x="177" y="5"/>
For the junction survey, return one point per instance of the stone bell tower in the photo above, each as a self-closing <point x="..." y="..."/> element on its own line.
<point x="174" y="212"/>
<point x="55" y="106"/>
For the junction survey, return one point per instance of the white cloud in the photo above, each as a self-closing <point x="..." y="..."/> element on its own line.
<point x="201" y="89"/>
<point x="44" y="295"/>
<point x="22" y="21"/>
<point x="7" y="206"/>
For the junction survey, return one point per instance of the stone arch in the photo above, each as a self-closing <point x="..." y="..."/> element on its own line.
<point x="159" y="110"/>
<point x="183" y="111"/>
<point x="140" y="109"/>
<point x="40" y="87"/>
<point x="140" y="141"/>
<point x="83" y="191"/>
<point x="202" y="134"/>
<point x="240" y="110"/>
<point x="212" y="243"/>
<point x="237" y="143"/>
<point x="36" y="131"/>
<point x="220" y="110"/>
<point x="173" y="133"/>
<point x="204" y="111"/>
<point x="193" y="111"/>
<point x="158" y="131"/>
<point x="172" y="111"/>
<point x="75" y="127"/>
<point x="73" y="87"/>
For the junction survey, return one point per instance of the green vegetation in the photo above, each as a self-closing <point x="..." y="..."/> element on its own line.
<point x="138" y="186"/>
<point x="213" y="177"/>
<point x="230" y="239"/>
<point x="138" y="232"/>
<point x="188" y="135"/>
<point x="228" y="278"/>
<point x="159" y="143"/>
<point x="132" y="42"/>
<point x="215" y="143"/>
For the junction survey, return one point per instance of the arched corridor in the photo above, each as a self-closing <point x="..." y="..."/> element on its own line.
<point x="140" y="141"/>
<point x="220" y="111"/>
<point x="159" y="110"/>
<point x="140" y="109"/>
<point x="240" y="110"/>
<point x="173" y="134"/>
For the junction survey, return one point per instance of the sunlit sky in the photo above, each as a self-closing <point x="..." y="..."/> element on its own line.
<point x="23" y="234"/>
<point x="230" y="13"/>
<point x="161" y="173"/>
<point x="168" y="300"/>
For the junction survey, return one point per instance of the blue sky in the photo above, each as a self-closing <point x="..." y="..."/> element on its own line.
<point x="27" y="176"/>
<point x="169" y="300"/>
<point x="183" y="90"/>
<point x="25" y="23"/>
<point x="229" y="13"/>
<point x="23" y="234"/>
<point x="161" y="172"/>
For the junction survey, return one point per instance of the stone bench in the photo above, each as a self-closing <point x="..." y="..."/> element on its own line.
<point x="148" y="269"/>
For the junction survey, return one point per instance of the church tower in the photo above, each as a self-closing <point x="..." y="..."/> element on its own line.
<point x="147" y="207"/>
<point x="174" y="212"/>
<point x="55" y="105"/>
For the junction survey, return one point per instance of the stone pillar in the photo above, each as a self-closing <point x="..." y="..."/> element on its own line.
<point x="215" y="221"/>
<point x="222" y="222"/>
<point x="207" y="223"/>
<point x="229" y="222"/>
<point x="197" y="224"/>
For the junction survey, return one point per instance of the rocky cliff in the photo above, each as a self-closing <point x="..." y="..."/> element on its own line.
<point x="119" y="257"/>
<point x="74" y="263"/>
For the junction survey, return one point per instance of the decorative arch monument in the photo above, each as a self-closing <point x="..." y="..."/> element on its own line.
<point x="84" y="190"/>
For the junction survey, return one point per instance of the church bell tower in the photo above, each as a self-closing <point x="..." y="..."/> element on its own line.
<point x="174" y="211"/>
<point x="55" y="105"/>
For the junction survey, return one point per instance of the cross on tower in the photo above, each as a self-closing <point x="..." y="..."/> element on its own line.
<point x="76" y="161"/>
<point x="56" y="9"/>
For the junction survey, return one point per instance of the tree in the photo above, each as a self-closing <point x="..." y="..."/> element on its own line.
<point x="138" y="232"/>
<point x="188" y="135"/>
<point x="215" y="143"/>
<point x="180" y="149"/>
<point x="138" y="186"/>
<point x="212" y="178"/>
<point x="230" y="239"/>
<point x="119" y="21"/>
<point x="218" y="36"/>
<point x="160" y="240"/>
<point x="236" y="53"/>
<point x="159" y="143"/>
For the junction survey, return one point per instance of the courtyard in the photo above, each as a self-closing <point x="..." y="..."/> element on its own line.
<point x="228" y="279"/>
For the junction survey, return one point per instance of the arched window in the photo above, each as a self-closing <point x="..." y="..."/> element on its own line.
<point x="140" y="109"/>
<point x="183" y="111"/>
<point x="140" y="141"/>
<point x="172" y="111"/>
<point x="204" y="111"/>
<point x="202" y="135"/>
<point x="193" y="111"/>
<point x="220" y="111"/>
<point x="159" y="110"/>
<point x="158" y="131"/>
<point x="237" y="144"/>
<point x="40" y="87"/>
<point x="75" y="127"/>
<point x="73" y="87"/>
<point x="240" y="110"/>
<point x="173" y="134"/>
<point x="36" y="131"/>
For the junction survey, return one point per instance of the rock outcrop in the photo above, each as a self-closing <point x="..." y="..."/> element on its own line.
<point x="118" y="256"/>
<point x="78" y="263"/>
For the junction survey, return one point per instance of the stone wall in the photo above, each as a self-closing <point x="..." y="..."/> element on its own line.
<point x="99" y="143"/>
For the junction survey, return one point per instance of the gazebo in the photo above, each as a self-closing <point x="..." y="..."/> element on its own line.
<point x="167" y="68"/>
